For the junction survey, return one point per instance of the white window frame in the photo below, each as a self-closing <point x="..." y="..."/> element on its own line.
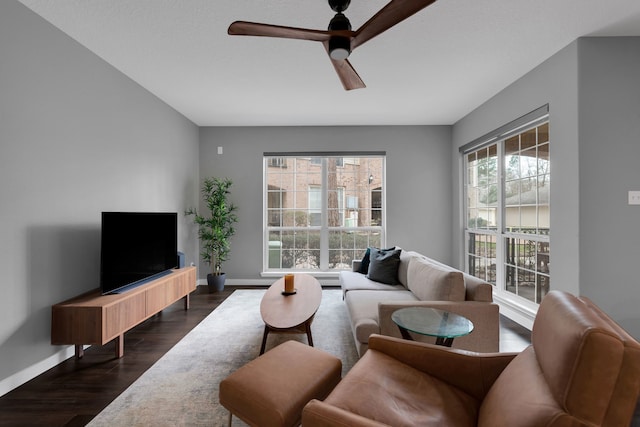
<point x="351" y="158"/>
<point x="499" y="233"/>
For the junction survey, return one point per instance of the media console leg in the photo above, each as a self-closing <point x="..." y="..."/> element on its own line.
<point x="119" y="346"/>
<point x="79" y="351"/>
<point x="186" y="302"/>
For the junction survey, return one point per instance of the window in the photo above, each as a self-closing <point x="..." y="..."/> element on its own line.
<point x="315" y="205"/>
<point x="278" y="162"/>
<point x="322" y="211"/>
<point x="508" y="212"/>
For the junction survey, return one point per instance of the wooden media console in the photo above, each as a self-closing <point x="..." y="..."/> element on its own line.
<point x="93" y="318"/>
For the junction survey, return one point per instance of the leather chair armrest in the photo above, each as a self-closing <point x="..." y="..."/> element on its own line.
<point x="472" y="372"/>
<point x="320" y="414"/>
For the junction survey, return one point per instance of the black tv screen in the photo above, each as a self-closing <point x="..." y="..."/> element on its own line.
<point x="136" y="247"/>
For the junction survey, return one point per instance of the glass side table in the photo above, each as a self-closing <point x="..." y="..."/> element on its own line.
<point x="443" y="325"/>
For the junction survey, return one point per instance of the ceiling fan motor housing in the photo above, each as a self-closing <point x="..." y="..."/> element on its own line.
<point x="339" y="5"/>
<point x="339" y="22"/>
<point x="339" y="46"/>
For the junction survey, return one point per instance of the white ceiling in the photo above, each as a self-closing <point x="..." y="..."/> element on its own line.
<point x="433" y="68"/>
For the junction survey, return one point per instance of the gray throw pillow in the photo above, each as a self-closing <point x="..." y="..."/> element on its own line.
<point x="383" y="265"/>
<point x="364" y="265"/>
<point x="366" y="259"/>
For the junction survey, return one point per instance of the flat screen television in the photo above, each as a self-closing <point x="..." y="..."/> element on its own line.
<point x="136" y="247"/>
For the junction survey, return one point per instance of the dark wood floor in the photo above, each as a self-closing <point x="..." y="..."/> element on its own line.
<point x="75" y="391"/>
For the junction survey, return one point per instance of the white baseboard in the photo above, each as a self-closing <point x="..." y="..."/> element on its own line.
<point x="27" y="374"/>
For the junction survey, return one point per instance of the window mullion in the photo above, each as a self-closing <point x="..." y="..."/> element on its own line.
<point x="324" y="217"/>
<point x="265" y="214"/>
<point x="500" y="239"/>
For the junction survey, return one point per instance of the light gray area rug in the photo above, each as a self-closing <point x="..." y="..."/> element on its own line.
<point x="181" y="389"/>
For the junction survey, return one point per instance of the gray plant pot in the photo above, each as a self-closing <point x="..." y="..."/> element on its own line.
<point x="215" y="282"/>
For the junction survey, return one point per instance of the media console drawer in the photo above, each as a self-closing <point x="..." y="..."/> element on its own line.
<point x="93" y="318"/>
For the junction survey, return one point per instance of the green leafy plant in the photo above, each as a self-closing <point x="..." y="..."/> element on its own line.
<point x="216" y="230"/>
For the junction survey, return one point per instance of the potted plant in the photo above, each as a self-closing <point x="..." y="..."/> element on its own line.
<point x="215" y="230"/>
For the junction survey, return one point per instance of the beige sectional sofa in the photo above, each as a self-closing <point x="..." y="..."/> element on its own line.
<point x="424" y="282"/>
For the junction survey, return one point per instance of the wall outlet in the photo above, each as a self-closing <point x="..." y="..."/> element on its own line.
<point x="634" y="197"/>
<point x="219" y="150"/>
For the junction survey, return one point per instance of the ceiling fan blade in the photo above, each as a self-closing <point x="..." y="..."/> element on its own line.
<point x="346" y="73"/>
<point x="243" y="28"/>
<point x="394" y="12"/>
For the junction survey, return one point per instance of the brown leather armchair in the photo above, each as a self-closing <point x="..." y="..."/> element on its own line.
<point x="582" y="369"/>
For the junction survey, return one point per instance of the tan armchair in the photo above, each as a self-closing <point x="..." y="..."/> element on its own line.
<point x="582" y="369"/>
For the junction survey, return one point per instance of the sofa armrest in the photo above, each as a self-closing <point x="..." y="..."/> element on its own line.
<point x="477" y="289"/>
<point x="320" y="414"/>
<point x="484" y="316"/>
<point x="471" y="372"/>
<point x="356" y="264"/>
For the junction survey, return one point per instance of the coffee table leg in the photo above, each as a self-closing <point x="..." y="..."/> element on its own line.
<point x="264" y="339"/>
<point x="405" y="334"/>
<point x="447" y="342"/>
<point x="308" y="328"/>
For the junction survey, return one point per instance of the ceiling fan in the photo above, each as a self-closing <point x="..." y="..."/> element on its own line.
<point x="339" y="40"/>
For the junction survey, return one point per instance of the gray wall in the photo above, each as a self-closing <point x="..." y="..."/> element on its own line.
<point x="418" y="181"/>
<point x="609" y="167"/>
<point x="76" y="138"/>
<point x="592" y="90"/>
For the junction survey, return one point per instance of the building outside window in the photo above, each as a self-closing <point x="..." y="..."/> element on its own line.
<point x="277" y="162"/>
<point x="322" y="211"/>
<point x="507" y="211"/>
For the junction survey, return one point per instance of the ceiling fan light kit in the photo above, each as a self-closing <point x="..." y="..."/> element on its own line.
<point x="339" y="40"/>
<point x="339" y="48"/>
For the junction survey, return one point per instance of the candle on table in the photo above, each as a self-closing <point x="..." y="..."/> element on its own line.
<point x="288" y="283"/>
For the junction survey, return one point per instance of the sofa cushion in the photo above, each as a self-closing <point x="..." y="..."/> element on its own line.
<point x="388" y="391"/>
<point x="362" y="307"/>
<point x="433" y="282"/>
<point x="405" y="257"/>
<point x="351" y="280"/>
<point x="383" y="266"/>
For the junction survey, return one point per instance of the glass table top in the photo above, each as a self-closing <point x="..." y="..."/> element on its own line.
<point x="432" y="322"/>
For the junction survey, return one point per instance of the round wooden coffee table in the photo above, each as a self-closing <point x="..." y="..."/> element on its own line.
<point x="293" y="313"/>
